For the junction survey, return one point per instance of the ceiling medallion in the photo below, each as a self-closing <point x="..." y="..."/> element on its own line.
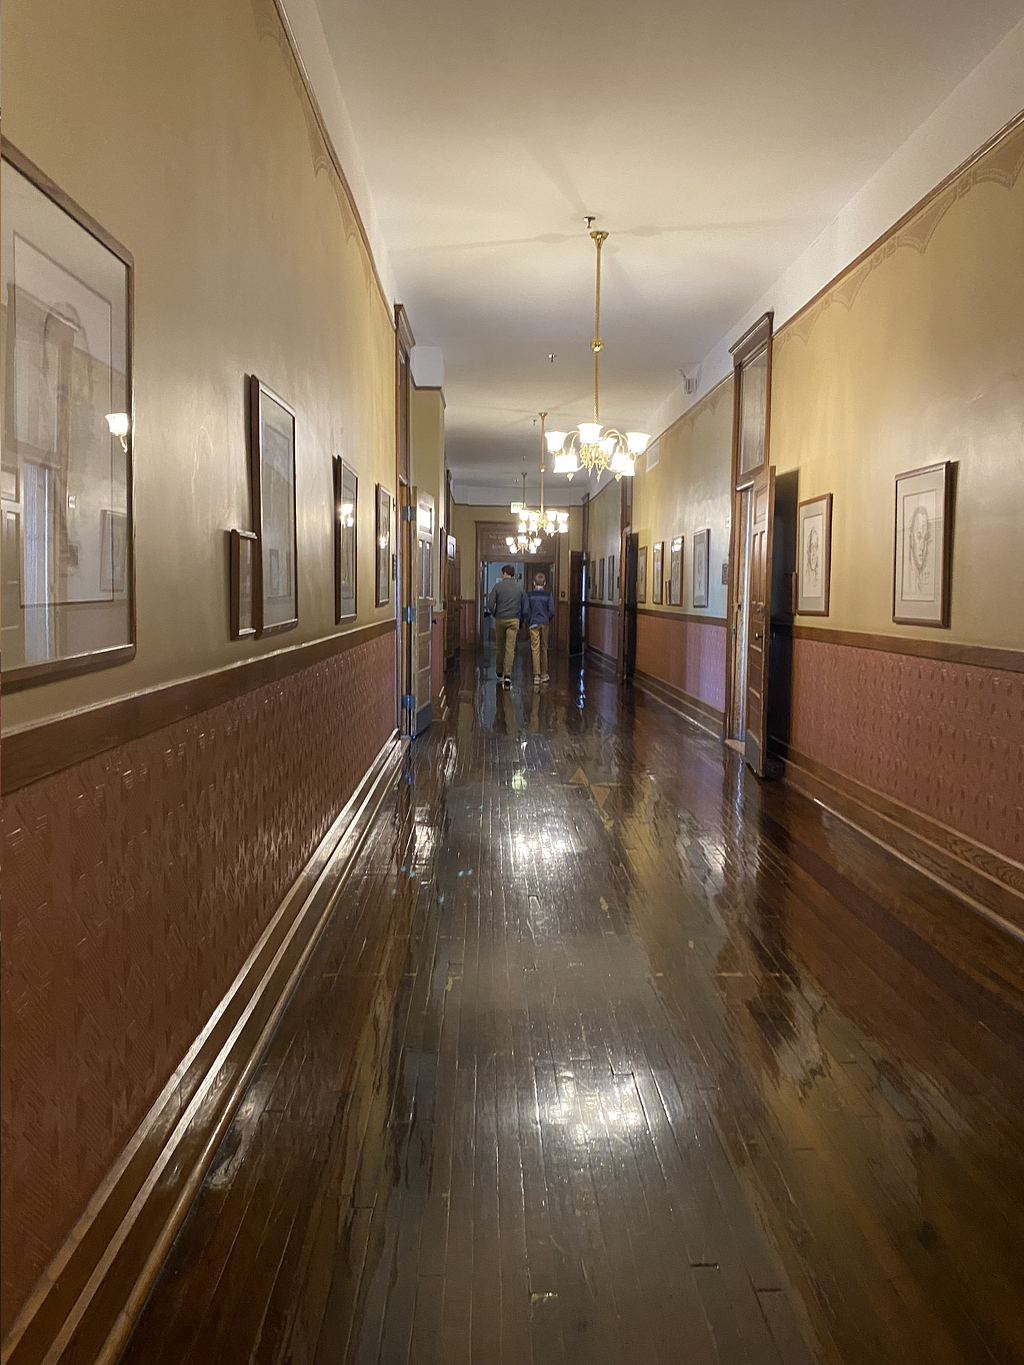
<point x="586" y="447"/>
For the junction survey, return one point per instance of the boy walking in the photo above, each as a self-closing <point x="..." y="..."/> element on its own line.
<point x="538" y="613"/>
<point x="505" y="603"/>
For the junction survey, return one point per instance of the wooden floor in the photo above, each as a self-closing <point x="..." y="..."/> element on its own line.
<point x="611" y="1053"/>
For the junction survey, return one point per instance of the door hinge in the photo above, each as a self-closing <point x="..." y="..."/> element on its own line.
<point x="408" y="702"/>
<point x="408" y="613"/>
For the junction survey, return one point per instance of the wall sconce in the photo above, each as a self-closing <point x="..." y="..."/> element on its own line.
<point x="118" y="424"/>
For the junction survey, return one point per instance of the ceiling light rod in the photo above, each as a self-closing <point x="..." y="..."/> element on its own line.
<point x="586" y="446"/>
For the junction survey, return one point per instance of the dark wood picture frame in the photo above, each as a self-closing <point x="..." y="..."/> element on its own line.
<point x="658" y="573"/>
<point x="346" y="540"/>
<point x="641" y="575"/>
<point x="382" y="546"/>
<point x="944" y="472"/>
<point x="52" y="670"/>
<point x="675" y="572"/>
<point x="805" y="605"/>
<point x="244" y="549"/>
<point x="258" y="391"/>
<point x="701" y="566"/>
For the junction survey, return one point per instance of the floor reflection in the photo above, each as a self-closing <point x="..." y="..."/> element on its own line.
<point x="612" y="1053"/>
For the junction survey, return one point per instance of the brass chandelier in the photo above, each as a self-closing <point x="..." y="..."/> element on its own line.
<point x="535" y="523"/>
<point x="524" y="543"/>
<point x="586" y="447"/>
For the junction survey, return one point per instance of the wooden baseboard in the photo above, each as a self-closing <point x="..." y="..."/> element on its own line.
<point x="86" y="1303"/>
<point x="701" y="713"/>
<point x="988" y="881"/>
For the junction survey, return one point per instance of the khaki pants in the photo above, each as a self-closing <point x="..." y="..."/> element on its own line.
<point x="506" y="629"/>
<point x="539" y="645"/>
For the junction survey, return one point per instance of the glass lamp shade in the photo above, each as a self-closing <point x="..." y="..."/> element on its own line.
<point x="589" y="432"/>
<point x="622" y="464"/>
<point x="555" y="440"/>
<point x="566" y="463"/>
<point x="637" y="441"/>
<point x="607" y="444"/>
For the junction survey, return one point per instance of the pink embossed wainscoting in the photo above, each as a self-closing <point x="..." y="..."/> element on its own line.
<point x="686" y="653"/>
<point x="946" y="739"/>
<point x="603" y="628"/>
<point x="135" y="885"/>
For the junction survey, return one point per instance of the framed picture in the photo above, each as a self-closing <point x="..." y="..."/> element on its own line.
<point x="346" y="530"/>
<point x="600" y="580"/>
<point x="272" y="447"/>
<point x="813" y="555"/>
<point x="613" y="590"/>
<point x="675" y="572"/>
<point x="244" y="546"/>
<point x="641" y="574"/>
<point x="701" y="563"/>
<point x="67" y="523"/>
<point x="658" y="572"/>
<point x="923" y="545"/>
<point x="384" y="575"/>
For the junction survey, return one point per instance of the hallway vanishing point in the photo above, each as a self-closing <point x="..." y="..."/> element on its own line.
<point x="611" y="1053"/>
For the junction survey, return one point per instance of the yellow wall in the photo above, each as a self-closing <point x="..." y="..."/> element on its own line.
<point x="604" y="533"/>
<point x="688" y="490"/>
<point x="185" y="131"/>
<point x="917" y="356"/>
<point x="464" y="519"/>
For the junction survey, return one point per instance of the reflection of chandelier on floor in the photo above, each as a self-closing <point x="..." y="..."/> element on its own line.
<point x="586" y="446"/>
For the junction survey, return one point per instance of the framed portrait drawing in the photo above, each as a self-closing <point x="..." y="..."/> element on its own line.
<point x="814" y="555"/>
<point x="244" y="546"/>
<point x="600" y="580"/>
<point x="641" y="574"/>
<point x="272" y="446"/>
<point x="66" y="522"/>
<point x="382" y="591"/>
<point x="613" y="591"/>
<point x="701" y="564"/>
<point x="675" y="572"/>
<point x="346" y="528"/>
<point x="658" y="572"/>
<point x="923" y="545"/>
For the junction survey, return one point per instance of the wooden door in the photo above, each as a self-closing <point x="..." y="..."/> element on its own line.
<point x="629" y="552"/>
<point x="576" y="602"/>
<point x="423" y="570"/>
<point x="759" y="590"/>
<point x="739" y="622"/>
<point x="406" y="589"/>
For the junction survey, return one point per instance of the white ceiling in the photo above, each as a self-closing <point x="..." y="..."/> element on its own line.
<point x="713" y="142"/>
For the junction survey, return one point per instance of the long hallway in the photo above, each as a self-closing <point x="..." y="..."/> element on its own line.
<point x="611" y="1053"/>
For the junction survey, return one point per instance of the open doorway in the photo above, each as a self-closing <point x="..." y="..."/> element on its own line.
<point x="490" y="573"/>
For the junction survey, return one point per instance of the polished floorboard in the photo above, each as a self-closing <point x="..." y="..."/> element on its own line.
<point x="611" y="1053"/>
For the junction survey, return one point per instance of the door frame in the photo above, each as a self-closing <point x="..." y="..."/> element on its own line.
<point x="404" y="556"/>
<point x="754" y="342"/>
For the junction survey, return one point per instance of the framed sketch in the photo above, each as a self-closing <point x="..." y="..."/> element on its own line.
<point x="382" y="593"/>
<point x="346" y="528"/>
<point x="813" y="555"/>
<point x="641" y="574"/>
<point x="244" y="545"/>
<point x="701" y="564"/>
<point x="67" y="525"/>
<point x="600" y="580"/>
<point x="272" y="453"/>
<point x="613" y="590"/>
<point x="923" y="545"/>
<point x="658" y="572"/>
<point x="675" y="572"/>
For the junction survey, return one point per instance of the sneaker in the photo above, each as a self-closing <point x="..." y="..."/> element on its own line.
<point x="506" y="682"/>
<point x="499" y="678"/>
<point x="545" y="677"/>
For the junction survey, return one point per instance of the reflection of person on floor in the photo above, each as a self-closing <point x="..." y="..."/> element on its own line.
<point x="505" y="603"/>
<point x="538" y="613"/>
